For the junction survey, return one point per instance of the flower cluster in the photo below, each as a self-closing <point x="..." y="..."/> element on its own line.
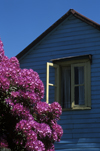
<point x="4" y="83"/>
<point x="1" y="50"/>
<point x="26" y="122"/>
<point x="47" y="112"/>
<point x="57" y="131"/>
<point x="3" y="143"/>
<point x="20" y="111"/>
<point x="56" y="110"/>
<point x="42" y="108"/>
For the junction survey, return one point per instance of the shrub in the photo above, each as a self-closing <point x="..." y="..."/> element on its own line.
<point x="26" y="123"/>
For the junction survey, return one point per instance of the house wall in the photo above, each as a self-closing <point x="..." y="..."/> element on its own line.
<point x="72" y="38"/>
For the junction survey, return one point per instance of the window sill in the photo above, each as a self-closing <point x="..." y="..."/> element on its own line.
<point x="77" y="108"/>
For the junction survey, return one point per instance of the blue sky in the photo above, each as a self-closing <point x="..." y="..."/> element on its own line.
<point x="22" y="21"/>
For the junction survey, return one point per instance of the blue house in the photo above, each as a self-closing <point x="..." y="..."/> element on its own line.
<point x="67" y="58"/>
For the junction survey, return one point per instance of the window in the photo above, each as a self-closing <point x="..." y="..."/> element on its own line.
<point x="72" y="82"/>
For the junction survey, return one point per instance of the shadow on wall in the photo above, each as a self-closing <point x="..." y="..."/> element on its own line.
<point x="82" y="144"/>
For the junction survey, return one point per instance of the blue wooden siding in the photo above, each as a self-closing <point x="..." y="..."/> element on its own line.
<point x="72" y="38"/>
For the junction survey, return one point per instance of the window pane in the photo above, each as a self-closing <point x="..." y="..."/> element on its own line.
<point x="76" y="95"/>
<point x="65" y="87"/>
<point x="79" y="75"/>
<point x="52" y="75"/>
<point x="79" y="95"/>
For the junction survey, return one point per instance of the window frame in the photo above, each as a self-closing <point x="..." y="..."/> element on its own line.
<point x="86" y="86"/>
<point x="87" y="74"/>
<point x="56" y="85"/>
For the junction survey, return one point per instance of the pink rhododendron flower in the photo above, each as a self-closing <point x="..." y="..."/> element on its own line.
<point x="26" y="122"/>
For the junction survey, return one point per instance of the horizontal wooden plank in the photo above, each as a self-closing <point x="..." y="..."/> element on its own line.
<point x="97" y="96"/>
<point x="47" y="52"/>
<point x="80" y="116"/>
<point x="68" y="41"/>
<point x="81" y="130"/>
<point x="68" y="37"/>
<point x="78" y="145"/>
<point x="80" y="112"/>
<point x="70" y="50"/>
<point x="80" y="42"/>
<point x="81" y="135"/>
<point x="78" y="140"/>
<point x="79" y="28"/>
<point x="86" y="125"/>
<point x="81" y="121"/>
<point x="86" y="135"/>
<point x="78" y="149"/>
<point x="71" y="34"/>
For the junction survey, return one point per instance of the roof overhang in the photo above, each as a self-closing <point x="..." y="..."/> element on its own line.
<point x="70" y="58"/>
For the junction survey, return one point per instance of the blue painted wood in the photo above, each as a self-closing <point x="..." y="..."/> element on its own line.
<point x="78" y="149"/>
<point x="80" y="116"/>
<point x="79" y="121"/>
<point x="78" y="145"/>
<point x="71" y="42"/>
<point x="72" y="38"/>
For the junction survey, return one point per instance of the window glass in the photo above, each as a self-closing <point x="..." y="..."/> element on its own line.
<point x="79" y="75"/>
<point x="79" y="85"/>
<point x="79" y="95"/>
